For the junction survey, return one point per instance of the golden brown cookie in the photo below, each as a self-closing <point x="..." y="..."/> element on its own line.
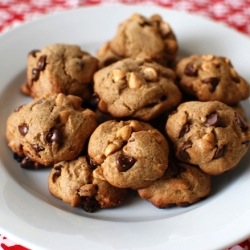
<point x="136" y="88"/>
<point x="139" y="36"/>
<point x="59" y="68"/>
<point x="181" y="185"/>
<point x="78" y="184"/>
<point x="131" y="154"/>
<point x="209" y="134"/>
<point x="50" y="130"/>
<point x="211" y="78"/>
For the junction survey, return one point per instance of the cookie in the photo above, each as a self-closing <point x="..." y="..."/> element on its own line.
<point x="131" y="154"/>
<point x="50" y="130"/>
<point x="59" y="68"/>
<point x="181" y="185"/>
<point x="136" y="88"/>
<point x="211" y="78"/>
<point x="78" y="184"/>
<point x="209" y="134"/>
<point x="139" y="36"/>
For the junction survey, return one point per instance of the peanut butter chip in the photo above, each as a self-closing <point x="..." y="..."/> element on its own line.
<point x="118" y="75"/>
<point x="150" y="74"/>
<point x="134" y="81"/>
<point x="111" y="148"/>
<point x="124" y="132"/>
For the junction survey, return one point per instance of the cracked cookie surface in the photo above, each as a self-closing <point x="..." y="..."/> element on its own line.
<point x="136" y="88"/>
<point x="49" y="130"/>
<point x="59" y="68"/>
<point x="77" y="183"/>
<point x="209" y="134"/>
<point x="131" y="154"/>
<point x="139" y="36"/>
<point x="211" y="78"/>
<point x="181" y="185"/>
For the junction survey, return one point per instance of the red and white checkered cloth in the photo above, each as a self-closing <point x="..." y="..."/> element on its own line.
<point x="235" y="13"/>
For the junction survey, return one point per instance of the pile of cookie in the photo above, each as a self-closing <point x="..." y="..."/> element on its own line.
<point x="132" y="118"/>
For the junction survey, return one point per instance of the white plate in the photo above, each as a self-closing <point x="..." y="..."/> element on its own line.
<point x="30" y="216"/>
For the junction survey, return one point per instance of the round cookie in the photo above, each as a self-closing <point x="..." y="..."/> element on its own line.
<point x="78" y="184"/>
<point x="139" y="36"/>
<point x="50" y="130"/>
<point x="131" y="154"/>
<point x="209" y="134"/>
<point x="136" y="88"/>
<point x="181" y="185"/>
<point x="211" y="78"/>
<point x="59" y="68"/>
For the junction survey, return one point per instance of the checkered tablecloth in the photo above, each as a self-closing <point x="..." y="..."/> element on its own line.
<point x="235" y="13"/>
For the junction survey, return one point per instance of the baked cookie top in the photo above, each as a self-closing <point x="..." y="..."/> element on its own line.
<point x="131" y="154"/>
<point x="59" y="68"/>
<point x="77" y="183"/>
<point x="139" y="36"/>
<point x="50" y="130"/>
<point x="136" y="88"/>
<point x="181" y="185"/>
<point x="211" y="78"/>
<point x="209" y="134"/>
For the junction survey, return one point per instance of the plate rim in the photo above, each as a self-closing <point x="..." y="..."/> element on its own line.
<point x="61" y="13"/>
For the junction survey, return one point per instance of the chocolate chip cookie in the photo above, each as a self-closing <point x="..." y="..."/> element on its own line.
<point x="50" y="130"/>
<point x="209" y="134"/>
<point x="181" y="185"/>
<point x="59" y="68"/>
<point x="211" y="78"/>
<point x="136" y="88"/>
<point x="139" y="36"/>
<point x="131" y="154"/>
<point x="78" y="184"/>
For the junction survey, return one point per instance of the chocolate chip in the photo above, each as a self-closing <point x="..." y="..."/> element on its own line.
<point x="236" y="79"/>
<point x="35" y="74"/>
<point x="185" y="129"/>
<point x="33" y="52"/>
<point x="245" y="143"/>
<point x="163" y="98"/>
<point x="57" y="173"/>
<point x="23" y="129"/>
<point x="144" y="23"/>
<point x="191" y="70"/>
<point x="219" y="152"/>
<point x="213" y="81"/>
<point x="41" y="64"/>
<point x="27" y="163"/>
<point x="212" y="120"/>
<point x="53" y="136"/>
<point x="89" y="204"/>
<point x="37" y="148"/>
<point x="18" y="157"/>
<point x="92" y="102"/>
<point x="124" y="162"/>
<point x="183" y="154"/>
<point x="243" y="125"/>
